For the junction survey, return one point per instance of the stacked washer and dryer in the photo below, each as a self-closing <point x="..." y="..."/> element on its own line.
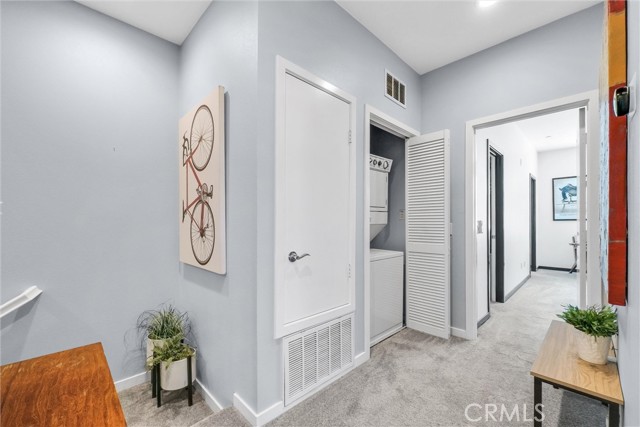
<point x="387" y="267"/>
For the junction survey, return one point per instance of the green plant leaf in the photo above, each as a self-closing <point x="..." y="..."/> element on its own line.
<point x="597" y="321"/>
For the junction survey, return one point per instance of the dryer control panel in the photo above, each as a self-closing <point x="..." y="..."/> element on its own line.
<point x="379" y="163"/>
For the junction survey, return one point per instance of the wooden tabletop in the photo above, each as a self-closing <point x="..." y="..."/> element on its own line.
<point x="558" y="363"/>
<point x="69" y="388"/>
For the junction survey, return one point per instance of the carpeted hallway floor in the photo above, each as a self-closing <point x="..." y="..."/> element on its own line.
<point x="414" y="379"/>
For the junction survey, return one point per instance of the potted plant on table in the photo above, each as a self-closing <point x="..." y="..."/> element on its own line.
<point x="595" y="326"/>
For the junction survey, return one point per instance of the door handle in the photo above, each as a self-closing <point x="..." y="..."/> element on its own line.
<point x="293" y="257"/>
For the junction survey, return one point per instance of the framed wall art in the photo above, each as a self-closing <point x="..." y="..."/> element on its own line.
<point x="565" y="198"/>
<point x="202" y="184"/>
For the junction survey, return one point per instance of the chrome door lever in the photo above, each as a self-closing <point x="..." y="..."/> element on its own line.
<point x="293" y="257"/>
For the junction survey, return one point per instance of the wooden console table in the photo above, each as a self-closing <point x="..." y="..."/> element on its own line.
<point x="69" y="388"/>
<point x="558" y="364"/>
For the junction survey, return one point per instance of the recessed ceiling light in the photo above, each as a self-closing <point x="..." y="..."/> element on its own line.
<point x="486" y="3"/>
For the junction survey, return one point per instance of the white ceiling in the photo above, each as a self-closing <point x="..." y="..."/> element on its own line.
<point x="551" y="131"/>
<point x="429" y="34"/>
<point x="171" y="20"/>
<point x="426" y="34"/>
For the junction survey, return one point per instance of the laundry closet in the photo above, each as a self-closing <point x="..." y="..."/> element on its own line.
<point x="387" y="172"/>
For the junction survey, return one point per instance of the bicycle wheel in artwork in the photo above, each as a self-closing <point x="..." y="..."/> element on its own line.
<point x="202" y="184"/>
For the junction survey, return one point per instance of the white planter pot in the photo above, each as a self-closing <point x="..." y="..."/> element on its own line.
<point x="173" y="376"/>
<point x="593" y="349"/>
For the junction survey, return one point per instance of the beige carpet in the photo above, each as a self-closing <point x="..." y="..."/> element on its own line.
<point x="140" y="410"/>
<point x="414" y="379"/>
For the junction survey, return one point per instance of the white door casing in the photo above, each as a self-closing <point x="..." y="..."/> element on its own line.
<point x="587" y="99"/>
<point x="428" y="234"/>
<point x="375" y="117"/>
<point x="582" y="210"/>
<point x="315" y="200"/>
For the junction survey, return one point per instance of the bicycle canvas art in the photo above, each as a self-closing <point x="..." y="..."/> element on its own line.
<point x="565" y="198"/>
<point x="202" y="185"/>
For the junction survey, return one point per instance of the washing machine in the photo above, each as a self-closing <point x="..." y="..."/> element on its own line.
<point x="387" y="290"/>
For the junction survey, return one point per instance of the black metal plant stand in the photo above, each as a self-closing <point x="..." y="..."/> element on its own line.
<point x="156" y="386"/>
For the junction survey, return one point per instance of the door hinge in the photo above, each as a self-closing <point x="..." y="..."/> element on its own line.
<point x="349" y="271"/>
<point x="349" y="137"/>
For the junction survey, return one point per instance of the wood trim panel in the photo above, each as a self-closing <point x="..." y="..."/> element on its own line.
<point x="615" y="140"/>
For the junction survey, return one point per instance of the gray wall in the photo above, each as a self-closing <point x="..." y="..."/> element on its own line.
<point x="629" y="316"/>
<point x="393" y="236"/>
<point x="322" y="38"/>
<point x="559" y="59"/>
<point x="88" y="136"/>
<point x="222" y="50"/>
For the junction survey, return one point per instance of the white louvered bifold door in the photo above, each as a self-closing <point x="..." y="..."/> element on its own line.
<point x="428" y="234"/>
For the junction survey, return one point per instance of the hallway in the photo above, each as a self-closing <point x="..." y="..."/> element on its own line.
<point x="417" y="380"/>
<point x="414" y="379"/>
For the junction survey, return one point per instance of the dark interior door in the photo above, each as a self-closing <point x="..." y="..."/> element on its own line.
<point x="496" y="236"/>
<point x="532" y="221"/>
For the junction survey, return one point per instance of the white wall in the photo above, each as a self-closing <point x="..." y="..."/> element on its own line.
<point x="553" y="248"/>
<point x="559" y="59"/>
<point x="520" y="159"/>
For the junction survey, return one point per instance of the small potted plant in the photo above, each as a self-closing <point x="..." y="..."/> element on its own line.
<point x="165" y="323"/>
<point x="596" y="325"/>
<point x="172" y="358"/>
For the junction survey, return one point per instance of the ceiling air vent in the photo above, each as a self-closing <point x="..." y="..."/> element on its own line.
<point x="395" y="89"/>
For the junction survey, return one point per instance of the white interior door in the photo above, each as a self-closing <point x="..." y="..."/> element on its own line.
<point x="428" y="234"/>
<point x="482" y="228"/>
<point x="314" y="208"/>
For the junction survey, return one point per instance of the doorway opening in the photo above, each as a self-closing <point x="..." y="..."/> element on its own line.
<point x="426" y="212"/>
<point x="383" y="123"/>
<point x="525" y="251"/>
<point x="387" y="176"/>
<point x="496" y="225"/>
<point x="533" y="265"/>
<point x="545" y="145"/>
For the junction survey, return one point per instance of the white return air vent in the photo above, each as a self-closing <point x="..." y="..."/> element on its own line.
<point x="314" y="356"/>
<point x="395" y="89"/>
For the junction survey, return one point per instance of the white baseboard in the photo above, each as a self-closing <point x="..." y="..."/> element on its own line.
<point x="360" y="359"/>
<point x="209" y="399"/>
<point x="250" y="415"/>
<point x="132" y="381"/>
<point x="461" y="333"/>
